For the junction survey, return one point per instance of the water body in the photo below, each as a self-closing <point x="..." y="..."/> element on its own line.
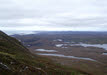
<point x="104" y="46"/>
<point x="58" y="40"/>
<point x="61" y="55"/>
<point x="104" y="54"/>
<point x="59" y="45"/>
<point x="44" y="50"/>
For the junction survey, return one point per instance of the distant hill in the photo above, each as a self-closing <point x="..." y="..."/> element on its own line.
<point x="15" y="59"/>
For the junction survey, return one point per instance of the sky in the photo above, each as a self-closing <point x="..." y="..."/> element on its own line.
<point x="53" y="15"/>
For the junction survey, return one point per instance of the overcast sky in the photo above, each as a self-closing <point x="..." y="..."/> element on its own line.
<point x="34" y="15"/>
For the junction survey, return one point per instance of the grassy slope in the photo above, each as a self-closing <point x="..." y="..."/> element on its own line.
<point x="15" y="59"/>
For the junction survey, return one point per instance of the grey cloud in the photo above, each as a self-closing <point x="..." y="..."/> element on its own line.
<point x="53" y="13"/>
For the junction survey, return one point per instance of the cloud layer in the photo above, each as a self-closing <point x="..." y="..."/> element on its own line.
<point x="37" y="15"/>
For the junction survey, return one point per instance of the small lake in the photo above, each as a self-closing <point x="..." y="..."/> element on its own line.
<point x="61" y="45"/>
<point x="104" y="46"/>
<point x="44" y="50"/>
<point x="104" y="53"/>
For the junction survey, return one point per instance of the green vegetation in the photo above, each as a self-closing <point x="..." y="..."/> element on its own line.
<point x="15" y="59"/>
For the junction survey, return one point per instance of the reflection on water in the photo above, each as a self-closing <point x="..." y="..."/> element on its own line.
<point x="61" y="55"/>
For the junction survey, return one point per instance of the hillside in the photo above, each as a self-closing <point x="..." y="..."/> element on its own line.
<point x="15" y="59"/>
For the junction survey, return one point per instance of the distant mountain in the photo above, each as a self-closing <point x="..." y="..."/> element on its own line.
<point x="15" y="59"/>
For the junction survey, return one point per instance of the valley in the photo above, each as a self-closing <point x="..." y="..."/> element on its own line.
<point x="85" y="51"/>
